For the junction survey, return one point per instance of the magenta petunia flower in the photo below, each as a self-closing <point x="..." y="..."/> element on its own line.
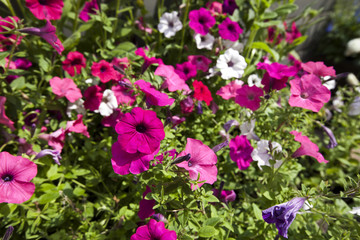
<point x="93" y="96"/>
<point x="48" y="32"/>
<point x="153" y="96"/>
<point x="65" y="88"/>
<point x="45" y="9"/>
<point x="146" y="206"/>
<point x="229" y="91"/>
<point x="230" y="30"/>
<point x="172" y="80"/>
<point x="123" y="94"/>
<point x="249" y="97"/>
<point x="171" y="153"/>
<point x="22" y="63"/>
<point x="6" y="24"/>
<point x="201" y="62"/>
<point x="201" y="21"/>
<point x="147" y="61"/>
<point x="104" y="71"/>
<point x="140" y="131"/>
<point x="225" y="196"/>
<point x="89" y="8"/>
<point x="202" y="92"/>
<point x="292" y="34"/>
<point x="15" y="175"/>
<point x="186" y="70"/>
<point x="3" y="118"/>
<point x="229" y="6"/>
<point x="153" y="231"/>
<point x="187" y="105"/>
<point x="307" y="92"/>
<point x="73" y="63"/>
<point x="121" y="63"/>
<point x="77" y="126"/>
<point x="277" y="70"/>
<point x="271" y="83"/>
<point x="319" y="69"/>
<point x="113" y="119"/>
<point x="307" y="148"/>
<point x="240" y="151"/>
<point x="202" y="161"/>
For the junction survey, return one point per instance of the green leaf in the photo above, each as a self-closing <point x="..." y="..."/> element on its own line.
<point x="48" y="197"/>
<point x="299" y="40"/>
<point x="124" y="32"/>
<point x="265" y="47"/>
<point x="285" y="9"/>
<point x="212" y="221"/>
<point x="72" y="41"/>
<point x="123" y="48"/>
<point x="257" y="211"/>
<point x="3" y="55"/>
<point x="268" y="15"/>
<point x="18" y="83"/>
<point x="207" y="231"/>
<point x="267" y="24"/>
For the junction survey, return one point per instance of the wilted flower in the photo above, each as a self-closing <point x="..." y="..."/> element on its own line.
<point x="55" y="154"/>
<point x="330" y="134"/>
<point x="169" y="24"/>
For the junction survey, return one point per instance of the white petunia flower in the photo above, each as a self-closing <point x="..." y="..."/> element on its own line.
<point x="355" y="210"/>
<point x="352" y="47"/>
<point x="205" y="41"/>
<point x="354" y="107"/>
<point x="262" y="153"/>
<point x="108" y="103"/>
<point x="170" y="24"/>
<point x="352" y="79"/>
<point x="78" y="106"/>
<point x="329" y="84"/>
<point x="238" y="46"/>
<point x="247" y="128"/>
<point x="254" y="80"/>
<point x="92" y="81"/>
<point x="231" y="64"/>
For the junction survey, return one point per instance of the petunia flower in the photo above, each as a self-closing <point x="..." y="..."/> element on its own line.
<point x="89" y="8"/>
<point x="23" y="63"/>
<point x="202" y="92"/>
<point x="333" y="143"/>
<point x="49" y="9"/>
<point x="240" y="151"/>
<point x="93" y="96"/>
<point x="186" y="70"/>
<point x="140" y="131"/>
<point x="73" y="63"/>
<point x="171" y="153"/>
<point x="104" y="71"/>
<point x="247" y="129"/>
<point x="78" y="106"/>
<point x="229" y="30"/>
<point x="108" y="103"/>
<point x="231" y="64"/>
<point x="146" y="206"/>
<point x="7" y="24"/>
<point x="254" y="80"/>
<point x="307" y="92"/>
<point x="153" y="96"/>
<point x="55" y="154"/>
<point x="77" y="126"/>
<point x="15" y="175"/>
<point x="124" y="95"/>
<point x="278" y="70"/>
<point x="206" y="41"/>
<point x="142" y="25"/>
<point x="187" y="105"/>
<point x="229" y="6"/>
<point x="262" y="155"/>
<point x="249" y="97"/>
<point x="169" y="24"/>
<point x="65" y="88"/>
<point x="318" y="68"/>
<point x="113" y="119"/>
<point x="3" y="118"/>
<point x="201" y="21"/>
<point x="215" y="8"/>
<point x="172" y="80"/>
<point x="225" y="195"/>
<point x="153" y="230"/>
<point x="147" y="60"/>
<point x="229" y="91"/>
<point x="291" y="34"/>
<point x="354" y="107"/>
<point x="307" y="148"/>
<point x="202" y="161"/>
<point x="283" y="214"/>
<point x="201" y="62"/>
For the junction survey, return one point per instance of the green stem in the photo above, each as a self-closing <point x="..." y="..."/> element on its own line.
<point x="118" y="3"/>
<point x="253" y="32"/>
<point x="20" y="4"/>
<point x="77" y="6"/>
<point x="10" y="7"/>
<point x="184" y="28"/>
<point x="11" y="54"/>
<point x="8" y="143"/>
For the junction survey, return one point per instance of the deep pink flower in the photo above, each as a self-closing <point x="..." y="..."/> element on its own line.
<point x="8" y="39"/>
<point x="123" y="94"/>
<point x="56" y="140"/>
<point x="186" y="70"/>
<point x="229" y="6"/>
<point x="45" y="9"/>
<point x="187" y="105"/>
<point x="230" y="30"/>
<point x="77" y="126"/>
<point x="113" y="119"/>
<point x="292" y="34"/>
<point x="272" y="34"/>
<point x="319" y="69"/>
<point x="215" y="8"/>
<point x="122" y="63"/>
<point x="249" y="97"/>
<point x="307" y="148"/>
<point x="142" y="25"/>
<point x="89" y="8"/>
<point x="202" y="161"/>
<point x="225" y="196"/>
<point x="153" y="96"/>
<point x="140" y="131"/>
<point x="176" y="120"/>
<point x="147" y="61"/>
<point x="104" y="71"/>
<point x="240" y="151"/>
<point x="172" y="80"/>
<point x="93" y="96"/>
<point x="202" y="92"/>
<point x="307" y="92"/>
<point x="277" y="70"/>
<point x="48" y="32"/>
<point x="229" y="91"/>
<point x="22" y="63"/>
<point x="201" y="62"/>
<point x="3" y="118"/>
<point x="271" y="83"/>
<point x="201" y="21"/>
<point x="65" y="88"/>
<point x="146" y="206"/>
<point x="15" y="175"/>
<point x="124" y="163"/>
<point x="153" y="231"/>
<point x="73" y="63"/>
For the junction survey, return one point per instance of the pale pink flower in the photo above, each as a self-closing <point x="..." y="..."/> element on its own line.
<point x="3" y="118"/>
<point x="319" y="69"/>
<point x="153" y="96"/>
<point x="172" y="80"/>
<point x="229" y="91"/>
<point x="65" y="88"/>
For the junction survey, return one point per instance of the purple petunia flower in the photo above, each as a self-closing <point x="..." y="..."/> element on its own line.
<point x="333" y="143"/>
<point x="55" y="154"/>
<point x="283" y="214"/>
<point x="229" y="6"/>
<point x="201" y="21"/>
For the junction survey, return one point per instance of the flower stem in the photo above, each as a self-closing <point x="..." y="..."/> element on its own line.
<point x="118" y="3"/>
<point x="8" y="3"/>
<point x="253" y="31"/>
<point x="183" y="30"/>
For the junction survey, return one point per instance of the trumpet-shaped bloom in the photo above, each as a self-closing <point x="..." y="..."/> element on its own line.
<point x="49" y="9"/>
<point x="240" y="151"/>
<point x="225" y="196"/>
<point x="319" y="69"/>
<point x="3" y="118"/>
<point x="283" y="214"/>
<point x="89" y="8"/>
<point x="170" y="24"/>
<point x="186" y="70"/>
<point x="73" y="63"/>
<point x="231" y="64"/>
<point x="307" y="148"/>
<point x="55" y="154"/>
<point x="153" y="96"/>
<point x="65" y="88"/>
<point x="15" y="175"/>
<point x="229" y="6"/>
<point x="201" y="62"/>
<point x="77" y="126"/>
<point x="229" y="91"/>
<point x="215" y="8"/>
<point x="202" y="92"/>
<point x="249" y="97"/>
<point x="93" y="96"/>
<point x="262" y="153"/>
<point x="202" y="161"/>
<point x="277" y="70"/>
<point x="230" y="30"/>
<point x="104" y="71"/>
<point x="172" y="80"/>
<point x="206" y="41"/>
<point x="153" y="231"/>
<point x="201" y="21"/>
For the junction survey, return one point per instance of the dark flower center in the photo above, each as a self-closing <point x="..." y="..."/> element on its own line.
<point x="203" y="39"/>
<point x="230" y="64"/>
<point x="278" y="211"/>
<point x="140" y="128"/>
<point x="199" y="59"/>
<point x="230" y="27"/>
<point x="202" y="20"/>
<point x="251" y="97"/>
<point x="304" y="95"/>
<point x="42" y="2"/>
<point x="171" y="24"/>
<point x="7" y="178"/>
<point x="76" y="61"/>
<point x="186" y="71"/>
<point x="103" y="69"/>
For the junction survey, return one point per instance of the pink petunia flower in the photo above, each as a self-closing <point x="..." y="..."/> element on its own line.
<point x="123" y="94"/>
<point x="171" y="153"/>
<point x="48" y="32"/>
<point x="201" y="21"/>
<point x="113" y="119"/>
<point x="225" y="196"/>
<point x="187" y="105"/>
<point x="122" y="63"/>
<point x="48" y="9"/>
<point x="74" y="62"/>
<point x="65" y="88"/>
<point x="153" y="96"/>
<point x="56" y="140"/>
<point x="140" y="131"/>
<point x="318" y="68"/>
<point x="307" y="92"/>
<point x="89" y="8"/>
<point x="229" y="30"/>
<point x="146" y="206"/>
<point x="271" y="83"/>
<point x="229" y="91"/>
<point x="307" y="148"/>
<point x="202" y="161"/>
<point x="93" y="96"/>
<point x="215" y="8"/>
<point x="104" y="71"/>
<point x="186" y="70"/>
<point x="153" y="230"/>
<point x="202" y="92"/>
<point x="77" y="126"/>
<point x="249" y="97"/>
<point x="3" y="118"/>
<point x="8" y="39"/>
<point x="172" y="80"/>
<point x="277" y="70"/>
<point x="292" y="34"/>
<point x="201" y="62"/>
<point x="23" y="63"/>
<point x="147" y="61"/>
<point x="240" y="151"/>
<point x="15" y="175"/>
